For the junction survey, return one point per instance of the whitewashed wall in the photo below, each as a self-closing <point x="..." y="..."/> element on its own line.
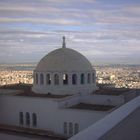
<point x="107" y="123"/>
<point x="49" y="116"/>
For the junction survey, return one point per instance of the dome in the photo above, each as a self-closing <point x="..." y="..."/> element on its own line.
<point x="64" y="59"/>
<point x="64" y="71"/>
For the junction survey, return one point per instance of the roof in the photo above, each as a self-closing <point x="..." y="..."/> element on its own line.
<point x="111" y="91"/>
<point x="128" y="129"/>
<point x="25" y="90"/>
<point x="94" y="107"/>
<point x="16" y="132"/>
<point x="32" y="94"/>
<point x="64" y="59"/>
<point x="117" y="125"/>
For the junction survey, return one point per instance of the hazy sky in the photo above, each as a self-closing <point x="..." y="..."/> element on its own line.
<point x="105" y="31"/>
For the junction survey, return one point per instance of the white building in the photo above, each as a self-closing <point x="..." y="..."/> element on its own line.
<point x="63" y="100"/>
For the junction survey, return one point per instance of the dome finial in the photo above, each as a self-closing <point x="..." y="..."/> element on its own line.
<point x="64" y="43"/>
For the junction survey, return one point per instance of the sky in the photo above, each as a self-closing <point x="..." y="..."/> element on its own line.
<point x="105" y="31"/>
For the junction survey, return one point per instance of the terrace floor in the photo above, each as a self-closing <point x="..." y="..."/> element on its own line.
<point x="93" y="107"/>
<point x="26" y="88"/>
<point x="111" y="91"/>
<point x="7" y="130"/>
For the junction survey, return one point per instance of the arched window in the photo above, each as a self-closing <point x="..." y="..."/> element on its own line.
<point x="36" y="75"/>
<point x="93" y="77"/>
<point x="70" y="128"/>
<point x="76" y="128"/>
<point x="27" y="118"/>
<point x="65" y="79"/>
<point x="56" y="79"/>
<point x="82" y="78"/>
<point x="34" y="118"/>
<point x="41" y="79"/>
<point x="48" y="79"/>
<point x="88" y="78"/>
<point x="65" y="128"/>
<point x="21" y="121"/>
<point x="74" y="79"/>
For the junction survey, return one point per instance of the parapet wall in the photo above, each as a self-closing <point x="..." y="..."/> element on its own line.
<point x="101" y="127"/>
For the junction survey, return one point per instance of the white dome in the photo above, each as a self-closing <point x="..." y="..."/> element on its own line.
<point x="64" y="59"/>
<point x="64" y="71"/>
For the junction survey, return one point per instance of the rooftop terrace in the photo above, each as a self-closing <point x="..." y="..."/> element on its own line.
<point x="94" y="107"/>
<point x="26" y="91"/>
<point x="111" y="91"/>
<point x="26" y="88"/>
<point x="29" y="133"/>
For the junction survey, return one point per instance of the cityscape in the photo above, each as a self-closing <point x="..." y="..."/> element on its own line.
<point x="118" y="76"/>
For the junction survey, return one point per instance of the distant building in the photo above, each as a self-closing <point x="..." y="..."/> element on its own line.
<point x="64" y="99"/>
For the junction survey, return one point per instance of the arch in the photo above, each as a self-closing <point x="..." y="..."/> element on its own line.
<point x="82" y="78"/>
<point x="56" y="79"/>
<point x="36" y="79"/>
<point x="93" y="77"/>
<point x="76" y="128"/>
<point x="27" y="118"/>
<point x="88" y="78"/>
<point x="34" y="118"/>
<point x="65" y="79"/>
<point x="74" y="79"/>
<point x="48" y="79"/>
<point x="65" y="128"/>
<point x="70" y="129"/>
<point x="21" y="121"/>
<point x="41" y="79"/>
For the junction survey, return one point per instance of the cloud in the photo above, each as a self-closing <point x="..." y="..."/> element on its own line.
<point x="71" y="13"/>
<point x="58" y="21"/>
<point x="99" y="30"/>
<point x="132" y="9"/>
